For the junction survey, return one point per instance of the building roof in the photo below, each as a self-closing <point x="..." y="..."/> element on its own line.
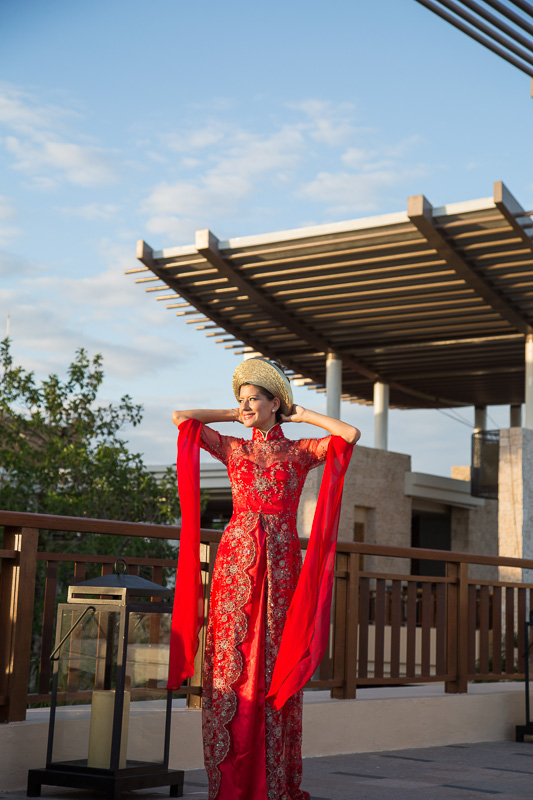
<point x="434" y="301"/>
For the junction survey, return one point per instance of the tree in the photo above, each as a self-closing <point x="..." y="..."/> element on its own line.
<point x="60" y="453"/>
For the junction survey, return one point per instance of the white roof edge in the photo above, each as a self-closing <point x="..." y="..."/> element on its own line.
<point x="482" y="204"/>
<point x="173" y="252"/>
<point x="345" y="226"/>
<point x="445" y="490"/>
<point x="428" y="479"/>
<point x="316" y="230"/>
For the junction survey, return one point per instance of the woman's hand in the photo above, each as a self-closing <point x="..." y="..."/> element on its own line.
<point x="237" y="416"/>
<point x="297" y="415"/>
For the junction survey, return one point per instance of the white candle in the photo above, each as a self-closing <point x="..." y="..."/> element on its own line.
<point x="101" y="729"/>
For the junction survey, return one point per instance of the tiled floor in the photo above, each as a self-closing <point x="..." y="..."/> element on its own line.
<point x="492" y="770"/>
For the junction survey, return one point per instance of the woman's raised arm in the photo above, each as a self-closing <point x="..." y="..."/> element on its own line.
<point x="334" y="426"/>
<point x="207" y="415"/>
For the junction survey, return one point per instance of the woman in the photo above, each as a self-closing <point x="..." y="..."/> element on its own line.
<point x="264" y="636"/>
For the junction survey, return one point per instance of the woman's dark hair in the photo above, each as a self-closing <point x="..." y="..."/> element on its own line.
<point x="268" y="395"/>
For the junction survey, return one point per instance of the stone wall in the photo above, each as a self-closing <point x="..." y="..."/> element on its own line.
<point x="515" y="512"/>
<point x="374" y="496"/>
<point x="476" y="530"/>
<point x="376" y="507"/>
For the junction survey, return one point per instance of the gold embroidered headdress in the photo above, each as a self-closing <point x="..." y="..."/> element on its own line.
<point x="264" y="373"/>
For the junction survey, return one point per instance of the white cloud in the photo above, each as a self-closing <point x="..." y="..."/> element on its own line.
<point x="14" y="266"/>
<point x="357" y="157"/>
<point x="240" y="166"/>
<point x="370" y="173"/>
<point x="105" y="313"/>
<point x="79" y="165"/>
<point x="8" y="230"/>
<point x="232" y="176"/>
<point x="39" y="147"/>
<point x="102" y="293"/>
<point x="349" y="193"/>
<point x="20" y="112"/>
<point x="207" y="136"/>
<point x="178" y="229"/>
<point x="328" y="123"/>
<point x="92" y="211"/>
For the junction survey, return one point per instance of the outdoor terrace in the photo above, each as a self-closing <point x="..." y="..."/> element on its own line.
<point x="388" y="630"/>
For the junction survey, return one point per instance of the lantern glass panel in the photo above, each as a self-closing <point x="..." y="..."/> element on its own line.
<point x="87" y="671"/>
<point x="147" y="657"/>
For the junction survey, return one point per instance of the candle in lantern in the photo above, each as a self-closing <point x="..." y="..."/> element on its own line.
<point x="101" y="729"/>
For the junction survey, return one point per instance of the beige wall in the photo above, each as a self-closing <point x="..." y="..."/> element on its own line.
<point x="476" y="531"/>
<point x="515" y="477"/>
<point x="374" y="495"/>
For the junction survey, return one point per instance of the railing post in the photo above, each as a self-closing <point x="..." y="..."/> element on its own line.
<point x="457" y="628"/>
<point x="352" y="626"/>
<point x="17" y="590"/>
<point x="339" y="625"/>
<point x="346" y="626"/>
<point x="208" y="551"/>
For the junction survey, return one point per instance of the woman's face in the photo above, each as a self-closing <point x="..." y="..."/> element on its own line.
<point x="257" y="411"/>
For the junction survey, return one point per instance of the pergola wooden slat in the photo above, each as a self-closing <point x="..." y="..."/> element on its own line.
<point x="437" y="303"/>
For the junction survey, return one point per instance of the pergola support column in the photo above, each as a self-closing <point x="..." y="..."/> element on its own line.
<point x="480" y="418"/>
<point x="333" y="385"/>
<point x="381" y="415"/>
<point x="529" y="382"/>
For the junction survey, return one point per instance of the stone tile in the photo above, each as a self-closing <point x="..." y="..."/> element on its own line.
<point x="499" y="770"/>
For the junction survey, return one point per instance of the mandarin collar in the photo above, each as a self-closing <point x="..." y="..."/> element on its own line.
<point x="274" y="433"/>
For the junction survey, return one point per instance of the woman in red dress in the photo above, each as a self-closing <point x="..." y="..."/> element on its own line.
<point x="254" y="672"/>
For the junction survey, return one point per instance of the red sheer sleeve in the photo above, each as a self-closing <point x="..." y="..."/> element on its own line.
<point x="306" y="630"/>
<point x="314" y="451"/>
<point x="216" y="444"/>
<point x="188" y="615"/>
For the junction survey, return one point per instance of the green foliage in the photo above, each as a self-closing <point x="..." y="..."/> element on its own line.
<point x="61" y="453"/>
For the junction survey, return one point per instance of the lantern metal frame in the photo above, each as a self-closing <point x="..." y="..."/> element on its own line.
<point x="527" y="729"/>
<point x="110" y="593"/>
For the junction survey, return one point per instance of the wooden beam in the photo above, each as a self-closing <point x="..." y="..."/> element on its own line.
<point x="512" y="211"/>
<point x="419" y="211"/>
<point x="406" y="347"/>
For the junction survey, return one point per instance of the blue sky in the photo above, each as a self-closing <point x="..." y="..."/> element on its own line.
<point x="129" y="120"/>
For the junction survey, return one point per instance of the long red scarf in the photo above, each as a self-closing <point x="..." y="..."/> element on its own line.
<point x="188" y="613"/>
<point x="306" y="632"/>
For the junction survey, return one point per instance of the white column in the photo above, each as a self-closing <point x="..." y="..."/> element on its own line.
<point x="333" y="385"/>
<point x="516" y="416"/>
<point x="381" y="415"/>
<point x="480" y="419"/>
<point x="529" y="382"/>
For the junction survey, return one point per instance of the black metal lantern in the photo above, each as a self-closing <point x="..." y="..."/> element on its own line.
<point x="110" y="713"/>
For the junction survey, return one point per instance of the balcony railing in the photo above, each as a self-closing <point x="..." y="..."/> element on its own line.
<point x="388" y="628"/>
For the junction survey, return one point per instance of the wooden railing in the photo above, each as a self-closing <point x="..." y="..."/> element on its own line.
<point x="388" y="628"/>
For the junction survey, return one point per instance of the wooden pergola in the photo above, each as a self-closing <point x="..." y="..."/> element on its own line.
<point x="427" y="308"/>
